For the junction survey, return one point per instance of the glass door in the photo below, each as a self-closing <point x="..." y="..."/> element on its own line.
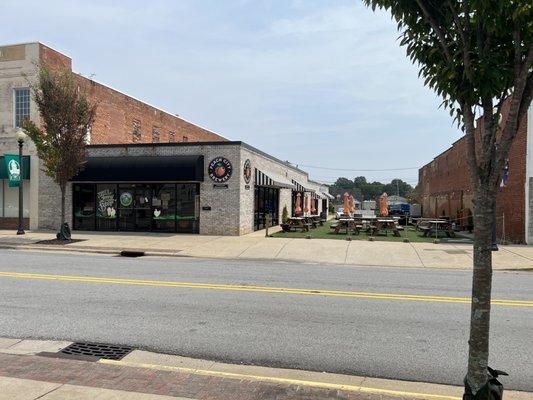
<point x="187" y="207"/>
<point x="143" y="207"/>
<point x="126" y="214"/>
<point x="164" y="207"/>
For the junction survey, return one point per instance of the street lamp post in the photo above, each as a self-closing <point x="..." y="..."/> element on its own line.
<point x="21" y="136"/>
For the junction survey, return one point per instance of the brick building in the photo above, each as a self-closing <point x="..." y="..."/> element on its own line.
<point x="446" y="191"/>
<point x="147" y="170"/>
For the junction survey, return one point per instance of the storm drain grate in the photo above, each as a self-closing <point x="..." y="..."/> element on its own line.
<point x="131" y="253"/>
<point x="107" y="351"/>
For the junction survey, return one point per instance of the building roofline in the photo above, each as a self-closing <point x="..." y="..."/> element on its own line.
<point x="442" y="153"/>
<point x="149" y="105"/>
<point x="205" y="143"/>
<point x="116" y="90"/>
<point x="285" y="163"/>
<point x="37" y="42"/>
<point x="179" y="144"/>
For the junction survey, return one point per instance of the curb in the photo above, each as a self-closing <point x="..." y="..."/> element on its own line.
<point x="89" y="250"/>
<point x="177" y="253"/>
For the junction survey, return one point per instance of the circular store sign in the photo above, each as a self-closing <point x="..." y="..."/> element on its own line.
<point x="126" y="199"/>
<point x="220" y="169"/>
<point x="247" y="171"/>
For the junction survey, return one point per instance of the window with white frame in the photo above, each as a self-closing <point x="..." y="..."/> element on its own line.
<point x="22" y="106"/>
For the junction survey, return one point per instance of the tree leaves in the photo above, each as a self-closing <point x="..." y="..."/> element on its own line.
<point x="67" y="116"/>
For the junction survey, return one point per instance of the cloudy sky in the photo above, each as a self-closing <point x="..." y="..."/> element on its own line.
<point x="321" y="83"/>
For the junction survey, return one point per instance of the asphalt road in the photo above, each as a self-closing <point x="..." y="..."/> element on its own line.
<point x="382" y="336"/>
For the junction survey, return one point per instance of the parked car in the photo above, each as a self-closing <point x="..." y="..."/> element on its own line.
<point x="339" y="213"/>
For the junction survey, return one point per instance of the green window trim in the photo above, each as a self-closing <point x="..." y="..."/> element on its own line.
<point x="25" y="168"/>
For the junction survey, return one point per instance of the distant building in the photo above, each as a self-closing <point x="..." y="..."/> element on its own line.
<point x="446" y="191"/>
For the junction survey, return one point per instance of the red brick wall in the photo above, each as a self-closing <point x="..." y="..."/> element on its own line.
<point x="13" y="223"/>
<point x="117" y="112"/>
<point x="54" y="58"/>
<point x="445" y="187"/>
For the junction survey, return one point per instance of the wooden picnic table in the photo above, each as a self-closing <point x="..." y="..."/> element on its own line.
<point x="318" y="219"/>
<point x="347" y="224"/>
<point x="298" y="223"/>
<point x="311" y="220"/>
<point x="384" y="224"/>
<point x="434" y="226"/>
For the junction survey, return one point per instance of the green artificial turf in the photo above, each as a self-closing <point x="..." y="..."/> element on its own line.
<point x="325" y="232"/>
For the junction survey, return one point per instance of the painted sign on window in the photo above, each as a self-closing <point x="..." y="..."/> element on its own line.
<point x="106" y="203"/>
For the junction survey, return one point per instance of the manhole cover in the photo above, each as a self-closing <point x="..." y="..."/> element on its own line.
<point x="107" y="351"/>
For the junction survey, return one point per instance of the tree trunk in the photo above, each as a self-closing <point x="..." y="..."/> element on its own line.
<point x="484" y="210"/>
<point x="63" y="190"/>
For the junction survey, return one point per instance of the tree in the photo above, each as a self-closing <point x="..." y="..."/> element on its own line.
<point x="477" y="55"/>
<point x="67" y="117"/>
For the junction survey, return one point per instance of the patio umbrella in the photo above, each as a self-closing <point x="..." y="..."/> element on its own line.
<point x="352" y="205"/>
<point x="346" y="203"/>
<point x="298" y="205"/>
<point x="383" y="205"/>
<point x="307" y="208"/>
<point x="313" y="208"/>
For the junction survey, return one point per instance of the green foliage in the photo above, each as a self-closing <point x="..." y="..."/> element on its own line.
<point x="435" y="34"/>
<point x="284" y="215"/>
<point x="363" y="190"/>
<point x="67" y="116"/>
<point x="66" y="119"/>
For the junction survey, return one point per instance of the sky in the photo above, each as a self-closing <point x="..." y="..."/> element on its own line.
<point x="323" y="84"/>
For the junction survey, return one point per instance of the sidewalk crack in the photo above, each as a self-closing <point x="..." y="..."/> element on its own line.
<point x="516" y="254"/>
<point x="346" y="253"/>
<point x="417" y="254"/>
<point x="50" y="391"/>
<point x="8" y="347"/>
<point x="281" y="249"/>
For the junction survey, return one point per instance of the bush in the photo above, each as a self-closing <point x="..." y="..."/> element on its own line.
<point x="284" y="215"/>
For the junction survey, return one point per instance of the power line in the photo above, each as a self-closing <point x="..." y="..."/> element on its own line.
<point x="358" y="170"/>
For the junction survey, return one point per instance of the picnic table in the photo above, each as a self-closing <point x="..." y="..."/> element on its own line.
<point x="434" y="226"/>
<point x="347" y="224"/>
<point x="317" y="219"/>
<point x="298" y="223"/>
<point x="384" y="224"/>
<point x="311" y="220"/>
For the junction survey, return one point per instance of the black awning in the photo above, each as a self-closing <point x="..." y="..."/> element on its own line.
<point x="142" y="169"/>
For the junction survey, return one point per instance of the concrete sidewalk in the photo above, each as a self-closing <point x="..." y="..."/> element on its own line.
<point x="256" y="246"/>
<point x="26" y="374"/>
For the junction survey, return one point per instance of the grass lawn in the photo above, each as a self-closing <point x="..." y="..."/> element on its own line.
<point x="325" y="232"/>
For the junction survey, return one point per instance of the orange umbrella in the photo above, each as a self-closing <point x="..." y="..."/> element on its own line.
<point x="352" y="204"/>
<point x="298" y="205"/>
<point x="306" y="202"/>
<point x="346" y="203"/>
<point x="383" y="205"/>
<point x="313" y="207"/>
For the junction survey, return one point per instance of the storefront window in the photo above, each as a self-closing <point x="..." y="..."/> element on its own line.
<point x="187" y="204"/>
<point x="164" y="208"/>
<point x="266" y="203"/>
<point x="84" y="207"/>
<point x="158" y="207"/>
<point x="106" y="207"/>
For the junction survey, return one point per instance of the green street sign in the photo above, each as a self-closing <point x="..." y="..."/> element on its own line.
<point x="12" y="165"/>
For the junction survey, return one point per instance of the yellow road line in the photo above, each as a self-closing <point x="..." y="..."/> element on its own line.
<point x="261" y="289"/>
<point x="285" y="381"/>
